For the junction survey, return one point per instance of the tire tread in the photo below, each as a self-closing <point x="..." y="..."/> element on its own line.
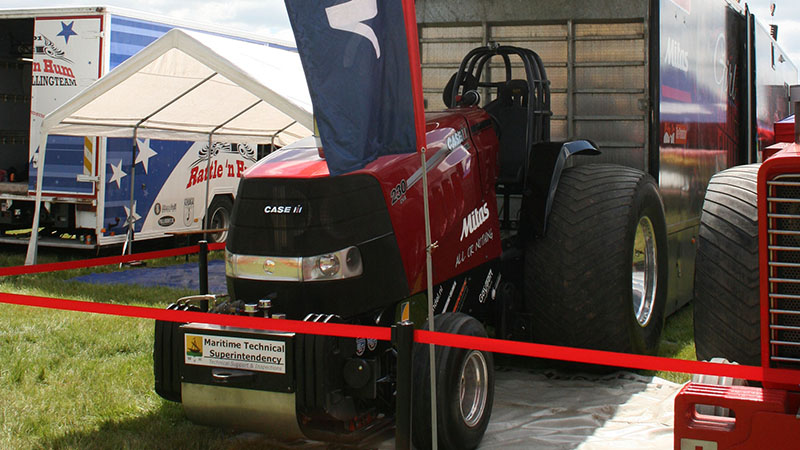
<point x="726" y="290"/>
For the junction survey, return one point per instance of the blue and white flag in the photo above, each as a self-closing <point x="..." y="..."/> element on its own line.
<point x="356" y="58"/>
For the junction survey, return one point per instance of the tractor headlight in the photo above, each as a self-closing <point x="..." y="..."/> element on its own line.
<point x="329" y="266"/>
<point x="345" y="263"/>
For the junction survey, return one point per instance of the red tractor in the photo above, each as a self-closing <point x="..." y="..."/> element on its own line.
<point x="519" y="236"/>
<point x="747" y="307"/>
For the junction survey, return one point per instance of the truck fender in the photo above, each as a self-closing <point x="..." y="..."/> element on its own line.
<point x="548" y="160"/>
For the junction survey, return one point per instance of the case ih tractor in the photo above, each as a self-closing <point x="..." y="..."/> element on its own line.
<point x="747" y="307"/>
<point x="518" y="239"/>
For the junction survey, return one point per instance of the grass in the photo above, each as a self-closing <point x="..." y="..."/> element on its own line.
<point x="73" y="380"/>
<point x="677" y="341"/>
<point x="77" y="380"/>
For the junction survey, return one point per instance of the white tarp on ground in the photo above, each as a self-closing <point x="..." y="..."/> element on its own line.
<point x="556" y="411"/>
<point x="551" y="411"/>
<point x="189" y="86"/>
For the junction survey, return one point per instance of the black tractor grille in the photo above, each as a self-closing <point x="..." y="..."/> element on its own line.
<point x="324" y="214"/>
<point x="783" y="213"/>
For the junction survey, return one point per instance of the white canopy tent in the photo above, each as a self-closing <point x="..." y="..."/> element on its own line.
<point x="189" y="86"/>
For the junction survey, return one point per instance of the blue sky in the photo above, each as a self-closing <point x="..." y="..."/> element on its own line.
<point x="269" y="16"/>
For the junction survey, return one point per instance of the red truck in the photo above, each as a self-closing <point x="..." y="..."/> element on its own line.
<point x="747" y="305"/>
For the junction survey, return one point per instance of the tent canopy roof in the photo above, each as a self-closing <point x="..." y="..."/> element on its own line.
<point x="187" y="85"/>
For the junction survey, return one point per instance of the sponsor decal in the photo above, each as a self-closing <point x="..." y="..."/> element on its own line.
<point x="237" y="353"/>
<point x="352" y="16"/>
<point x="398" y="193"/>
<point x="724" y="71"/>
<point x="486" y="287"/>
<point x="51" y="70"/>
<point x="675" y="133"/>
<point x="496" y="285"/>
<point x="455" y="139"/>
<point x="474" y="220"/>
<point x="283" y="209"/>
<point x="166" y="221"/>
<point x="473" y="248"/>
<point x="215" y="170"/>
<point x="449" y="296"/>
<point x="676" y="56"/>
<point x="201" y="169"/>
<point x="405" y="312"/>
<point x="188" y="211"/>
<point x="462" y="294"/>
<point x="438" y="296"/>
<point x="361" y="346"/>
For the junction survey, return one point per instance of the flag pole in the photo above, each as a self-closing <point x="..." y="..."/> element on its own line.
<point x="429" y="266"/>
<point x="412" y="40"/>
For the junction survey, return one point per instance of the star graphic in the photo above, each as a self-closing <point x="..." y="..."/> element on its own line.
<point x="66" y="31"/>
<point x="145" y="152"/>
<point x="118" y="173"/>
<point x="131" y="218"/>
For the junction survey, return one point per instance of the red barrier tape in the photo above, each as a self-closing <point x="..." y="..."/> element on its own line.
<point x="104" y="261"/>
<point x="599" y="357"/>
<point x="426" y="337"/>
<point x="257" y="323"/>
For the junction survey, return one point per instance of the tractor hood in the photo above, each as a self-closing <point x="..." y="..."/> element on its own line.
<point x="288" y="206"/>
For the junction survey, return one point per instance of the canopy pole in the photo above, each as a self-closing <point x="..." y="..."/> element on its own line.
<point x="207" y="221"/>
<point x="130" y="234"/>
<point x="128" y="247"/>
<point x="275" y="134"/>
<point x="33" y="243"/>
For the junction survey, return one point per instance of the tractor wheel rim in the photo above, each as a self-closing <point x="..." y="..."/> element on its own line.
<point x="644" y="271"/>
<point x="473" y="388"/>
<point x="219" y="220"/>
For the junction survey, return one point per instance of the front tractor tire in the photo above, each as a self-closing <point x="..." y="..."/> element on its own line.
<point x="726" y="275"/>
<point x="464" y="385"/>
<point x="598" y="277"/>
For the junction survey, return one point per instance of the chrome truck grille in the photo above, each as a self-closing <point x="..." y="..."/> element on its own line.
<point x="783" y="214"/>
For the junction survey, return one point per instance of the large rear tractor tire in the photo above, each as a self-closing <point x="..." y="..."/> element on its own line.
<point x="726" y="274"/>
<point x="598" y="278"/>
<point x="464" y="385"/>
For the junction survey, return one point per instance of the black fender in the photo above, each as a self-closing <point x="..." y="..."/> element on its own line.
<point x="548" y="160"/>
